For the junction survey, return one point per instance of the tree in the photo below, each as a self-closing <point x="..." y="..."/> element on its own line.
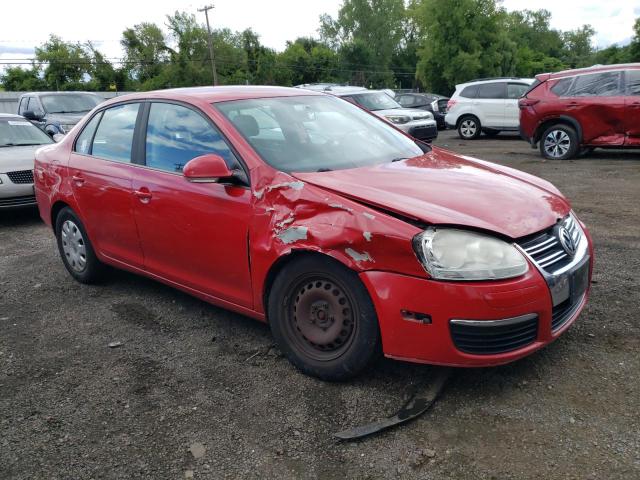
<point x="634" y="46"/>
<point x="578" y="51"/>
<point x="145" y="51"/>
<point x="66" y="64"/>
<point x="462" y="40"/>
<point x="16" y="79"/>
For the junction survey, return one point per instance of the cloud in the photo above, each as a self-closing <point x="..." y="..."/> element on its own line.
<point x="10" y="49"/>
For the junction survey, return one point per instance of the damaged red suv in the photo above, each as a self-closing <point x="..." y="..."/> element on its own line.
<point x="575" y="111"/>
<point x="347" y="236"/>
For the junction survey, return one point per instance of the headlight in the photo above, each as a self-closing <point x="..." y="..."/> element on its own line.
<point x="398" y="118"/>
<point x="424" y="116"/>
<point x="451" y="254"/>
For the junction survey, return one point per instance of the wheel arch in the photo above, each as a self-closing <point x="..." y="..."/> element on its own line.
<point x="467" y="115"/>
<point x="56" y="208"/>
<point x="560" y="120"/>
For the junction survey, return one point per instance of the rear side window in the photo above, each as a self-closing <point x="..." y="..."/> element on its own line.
<point x="516" y="90"/>
<point x="114" y="137"/>
<point x="83" y="142"/>
<point x="470" y="92"/>
<point x="604" y="84"/>
<point x="177" y="134"/>
<point x="633" y="82"/>
<point x="561" y="87"/>
<point x="492" y="90"/>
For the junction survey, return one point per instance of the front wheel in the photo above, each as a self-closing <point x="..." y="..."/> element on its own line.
<point x="559" y="142"/>
<point x="469" y="128"/>
<point x="323" y="320"/>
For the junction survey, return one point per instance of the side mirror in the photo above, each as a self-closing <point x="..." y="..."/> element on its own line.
<point x="31" y="115"/>
<point x="208" y="168"/>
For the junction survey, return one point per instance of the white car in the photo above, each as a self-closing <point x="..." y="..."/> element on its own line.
<point x="418" y="124"/>
<point x="488" y="105"/>
<point x="19" y="139"/>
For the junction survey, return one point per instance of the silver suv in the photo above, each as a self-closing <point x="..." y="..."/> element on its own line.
<point x="488" y="105"/>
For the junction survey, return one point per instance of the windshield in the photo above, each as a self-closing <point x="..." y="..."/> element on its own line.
<point x="14" y="132"/>
<point x="316" y="133"/>
<point x="70" y="103"/>
<point x="376" y="101"/>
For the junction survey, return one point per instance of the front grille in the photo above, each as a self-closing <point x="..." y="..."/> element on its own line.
<point x="18" y="201"/>
<point x="494" y="336"/>
<point x="562" y="312"/>
<point x="424" y="132"/>
<point x="545" y="247"/>
<point x="22" y="176"/>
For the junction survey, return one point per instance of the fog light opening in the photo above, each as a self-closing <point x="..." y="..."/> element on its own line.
<point x="417" y="317"/>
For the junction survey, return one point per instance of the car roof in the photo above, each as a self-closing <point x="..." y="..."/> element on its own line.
<point x="216" y="94"/>
<point x="496" y="79"/>
<point x="592" y="69"/>
<point x="37" y="94"/>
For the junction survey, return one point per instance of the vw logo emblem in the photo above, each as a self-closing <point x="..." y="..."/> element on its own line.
<point x="566" y="241"/>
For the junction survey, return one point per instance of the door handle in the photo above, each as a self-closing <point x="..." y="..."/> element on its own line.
<point x="79" y="180"/>
<point x="143" y="194"/>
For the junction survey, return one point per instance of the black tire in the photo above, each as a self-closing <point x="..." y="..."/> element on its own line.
<point x="559" y="142"/>
<point x="323" y="319"/>
<point x="469" y="127"/>
<point x="490" y="132"/>
<point x="75" y="248"/>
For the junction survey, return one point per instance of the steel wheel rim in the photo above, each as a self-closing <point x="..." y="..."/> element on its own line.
<point x="557" y="143"/>
<point x="468" y="128"/>
<point x="73" y="246"/>
<point x="321" y="318"/>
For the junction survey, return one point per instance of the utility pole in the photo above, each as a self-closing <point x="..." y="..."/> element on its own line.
<point x="213" y="59"/>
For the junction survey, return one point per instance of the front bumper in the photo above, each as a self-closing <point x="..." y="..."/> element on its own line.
<point x="415" y="316"/>
<point x="14" y="195"/>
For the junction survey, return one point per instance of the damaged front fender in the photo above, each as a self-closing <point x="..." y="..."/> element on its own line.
<point x="293" y="216"/>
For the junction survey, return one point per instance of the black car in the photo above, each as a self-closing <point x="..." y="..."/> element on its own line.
<point x="56" y="112"/>
<point x="434" y="103"/>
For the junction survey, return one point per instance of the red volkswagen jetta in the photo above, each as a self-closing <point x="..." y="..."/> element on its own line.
<point x="301" y="210"/>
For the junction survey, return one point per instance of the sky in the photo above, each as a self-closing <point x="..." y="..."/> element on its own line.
<point x="276" y="21"/>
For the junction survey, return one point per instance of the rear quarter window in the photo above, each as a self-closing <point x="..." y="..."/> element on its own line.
<point x="469" y="92"/>
<point x="561" y="87"/>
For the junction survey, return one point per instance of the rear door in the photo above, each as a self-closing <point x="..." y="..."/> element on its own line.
<point x="515" y="90"/>
<point x="193" y="234"/>
<point x="632" y="108"/>
<point x="490" y="104"/>
<point x="597" y="102"/>
<point x="100" y="171"/>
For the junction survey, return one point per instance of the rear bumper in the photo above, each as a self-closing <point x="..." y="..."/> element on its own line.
<point x="402" y="304"/>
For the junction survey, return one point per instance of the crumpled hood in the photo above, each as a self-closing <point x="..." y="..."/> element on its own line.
<point x="444" y="188"/>
<point x="17" y="158"/>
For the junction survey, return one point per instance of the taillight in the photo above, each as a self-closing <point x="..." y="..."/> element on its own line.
<point x="527" y="102"/>
<point x="451" y="103"/>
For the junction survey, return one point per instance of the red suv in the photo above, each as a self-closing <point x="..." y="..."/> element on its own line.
<point x="299" y="209"/>
<point x="575" y="111"/>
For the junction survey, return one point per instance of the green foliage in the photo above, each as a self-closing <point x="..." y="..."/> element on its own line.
<point x="431" y="44"/>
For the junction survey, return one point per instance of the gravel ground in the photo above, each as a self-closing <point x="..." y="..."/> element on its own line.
<point x="197" y="391"/>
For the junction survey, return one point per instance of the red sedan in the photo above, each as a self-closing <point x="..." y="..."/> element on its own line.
<point x="296" y="208"/>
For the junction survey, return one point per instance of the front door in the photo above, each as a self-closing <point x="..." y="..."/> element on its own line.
<point x="632" y="108"/>
<point x="100" y="170"/>
<point x="194" y="234"/>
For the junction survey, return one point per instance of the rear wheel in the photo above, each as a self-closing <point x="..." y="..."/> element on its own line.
<point x="559" y="142"/>
<point x="75" y="248"/>
<point x="469" y="128"/>
<point x="322" y="319"/>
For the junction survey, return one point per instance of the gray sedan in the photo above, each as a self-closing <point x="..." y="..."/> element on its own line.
<point x="19" y="139"/>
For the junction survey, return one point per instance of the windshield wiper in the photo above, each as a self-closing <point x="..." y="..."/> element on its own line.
<point x="324" y="170"/>
<point x="399" y="159"/>
<point x="20" y="144"/>
<point x="71" y="111"/>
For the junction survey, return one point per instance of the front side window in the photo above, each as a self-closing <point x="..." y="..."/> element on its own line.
<point x="177" y="134"/>
<point x="18" y="131"/>
<point x="407" y="100"/>
<point x="491" y="90"/>
<point x="633" y="82"/>
<point x="316" y="133"/>
<point x="23" y="105"/>
<point x="34" y="105"/>
<point x="114" y="137"/>
<point x="597" y="85"/>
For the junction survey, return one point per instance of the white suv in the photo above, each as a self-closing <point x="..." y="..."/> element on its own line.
<point x="489" y="105"/>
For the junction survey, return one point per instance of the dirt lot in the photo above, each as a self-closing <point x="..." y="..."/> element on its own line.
<point x="198" y="391"/>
